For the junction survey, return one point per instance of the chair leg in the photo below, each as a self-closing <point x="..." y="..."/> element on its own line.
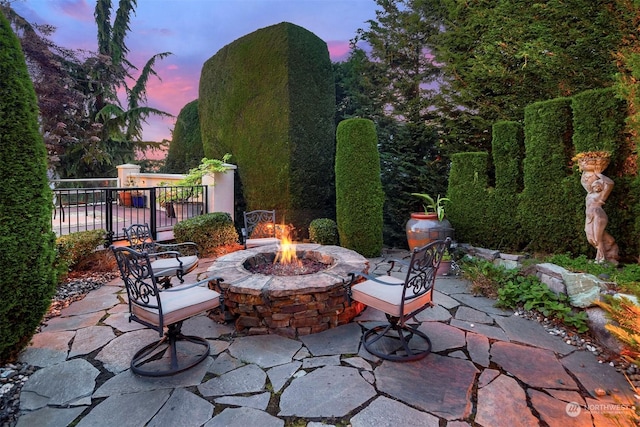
<point x="151" y="360"/>
<point x="396" y="342"/>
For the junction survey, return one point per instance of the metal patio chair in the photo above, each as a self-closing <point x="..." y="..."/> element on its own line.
<point x="259" y="228"/>
<point x="172" y="259"/>
<point x="164" y="309"/>
<point x="400" y="300"/>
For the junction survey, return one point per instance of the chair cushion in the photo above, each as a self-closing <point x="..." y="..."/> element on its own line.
<point x="171" y="264"/>
<point x="387" y="298"/>
<point x="252" y="243"/>
<point x="180" y="305"/>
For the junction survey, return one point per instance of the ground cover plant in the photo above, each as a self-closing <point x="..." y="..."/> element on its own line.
<point x="514" y="288"/>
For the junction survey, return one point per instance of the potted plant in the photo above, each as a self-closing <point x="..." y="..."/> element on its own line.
<point x="125" y="196"/>
<point x="425" y="227"/>
<point x="445" y="264"/>
<point x="185" y="197"/>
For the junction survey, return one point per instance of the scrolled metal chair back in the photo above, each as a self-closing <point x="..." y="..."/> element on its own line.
<point x="260" y="223"/>
<point x="139" y="237"/>
<point x="137" y="275"/>
<point x="421" y="274"/>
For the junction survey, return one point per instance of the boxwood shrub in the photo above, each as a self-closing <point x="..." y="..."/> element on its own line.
<point x="323" y="231"/>
<point x="208" y="231"/>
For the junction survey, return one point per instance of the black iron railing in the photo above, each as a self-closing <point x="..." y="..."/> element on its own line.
<point x="112" y="209"/>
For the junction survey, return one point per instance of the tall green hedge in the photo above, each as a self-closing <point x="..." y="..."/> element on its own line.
<point x="359" y="195"/>
<point x="185" y="150"/>
<point x="542" y="187"/>
<point x="544" y="213"/>
<point x="268" y="98"/>
<point x="469" y="205"/>
<point x="507" y="144"/>
<point x="27" y="277"/>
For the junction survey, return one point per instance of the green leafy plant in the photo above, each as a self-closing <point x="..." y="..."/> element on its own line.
<point x="432" y="206"/>
<point x="190" y="186"/>
<point x="323" y="231"/>
<point x="513" y="289"/>
<point x="72" y="249"/>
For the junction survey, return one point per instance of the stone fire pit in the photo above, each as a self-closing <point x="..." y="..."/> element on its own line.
<point x="289" y="305"/>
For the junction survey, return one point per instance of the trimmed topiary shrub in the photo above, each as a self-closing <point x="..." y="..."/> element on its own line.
<point x="185" y="149"/>
<point x="27" y="252"/>
<point x="323" y="231"/>
<point x="268" y="98"/>
<point x="359" y="195"/>
<point x="469" y="201"/>
<point x="544" y="212"/>
<point x="507" y="145"/>
<point x="208" y="231"/>
<point x="73" y="248"/>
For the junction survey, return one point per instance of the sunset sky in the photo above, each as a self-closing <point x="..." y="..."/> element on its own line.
<point x="194" y="30"/>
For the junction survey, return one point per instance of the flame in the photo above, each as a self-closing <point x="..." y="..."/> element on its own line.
<point x="287" y="251"/>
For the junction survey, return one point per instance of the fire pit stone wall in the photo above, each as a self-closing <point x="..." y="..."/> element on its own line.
<point x="289" y="305"/>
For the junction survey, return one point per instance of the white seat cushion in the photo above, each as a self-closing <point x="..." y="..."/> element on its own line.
<point x="387" y="298"/>
<point x="252" y="243"/>
<point x="180" y="305"/>
<point x="169" y="266"/>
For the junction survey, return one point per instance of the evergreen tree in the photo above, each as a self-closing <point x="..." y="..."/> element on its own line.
<point x="394" y="85"/>
<point x="27" y="279"/>
<point x="185" y="149"/>
<point x="498" y="57"/>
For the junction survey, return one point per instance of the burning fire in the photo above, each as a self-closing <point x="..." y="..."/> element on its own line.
<point x="287" y="251"/>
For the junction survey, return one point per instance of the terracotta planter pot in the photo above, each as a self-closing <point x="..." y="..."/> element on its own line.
<point x="443" y="268"/>
<point x="425" y="228"/>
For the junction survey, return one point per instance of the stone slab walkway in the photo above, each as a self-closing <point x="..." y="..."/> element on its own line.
<point x="488" y="368"/>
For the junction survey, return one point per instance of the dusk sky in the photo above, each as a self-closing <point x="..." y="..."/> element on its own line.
<point x="194" y="30"/>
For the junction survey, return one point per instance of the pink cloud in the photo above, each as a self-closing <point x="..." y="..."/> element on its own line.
<point x="77" y="9"/>
<point x="338" y="49"/>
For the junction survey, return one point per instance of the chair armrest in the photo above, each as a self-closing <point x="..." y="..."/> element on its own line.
<point x="192" y="285"/>
<point x="165" y="254"/>
<point x="355" y="274"/>
<point x="184" y="248"/>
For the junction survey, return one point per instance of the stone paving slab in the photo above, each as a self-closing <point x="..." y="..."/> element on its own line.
<point x="47" y="348"/>
<point x="265" y="351"/>
<point x="246" y="379"/>
<point x="535" y="366"/>
<point x="520" y="330"/>
<point x="72" y="323"/>
<point x="70" y="383"/>
<point x="89" y="339"/>
<point x="244" y="417"/>
<point x="183" y="409"/>
<point x="131" y="409"/>
<point x="50" y="417"/>
<point x="385" y="412"/>
<point x="331" y="391"/>
<point x="593" y="375"/>
<point x="437" y="384"/>
<point x="344" y="339"/>
<point x="129" y="382"/>
<point x="501" y="402"/>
